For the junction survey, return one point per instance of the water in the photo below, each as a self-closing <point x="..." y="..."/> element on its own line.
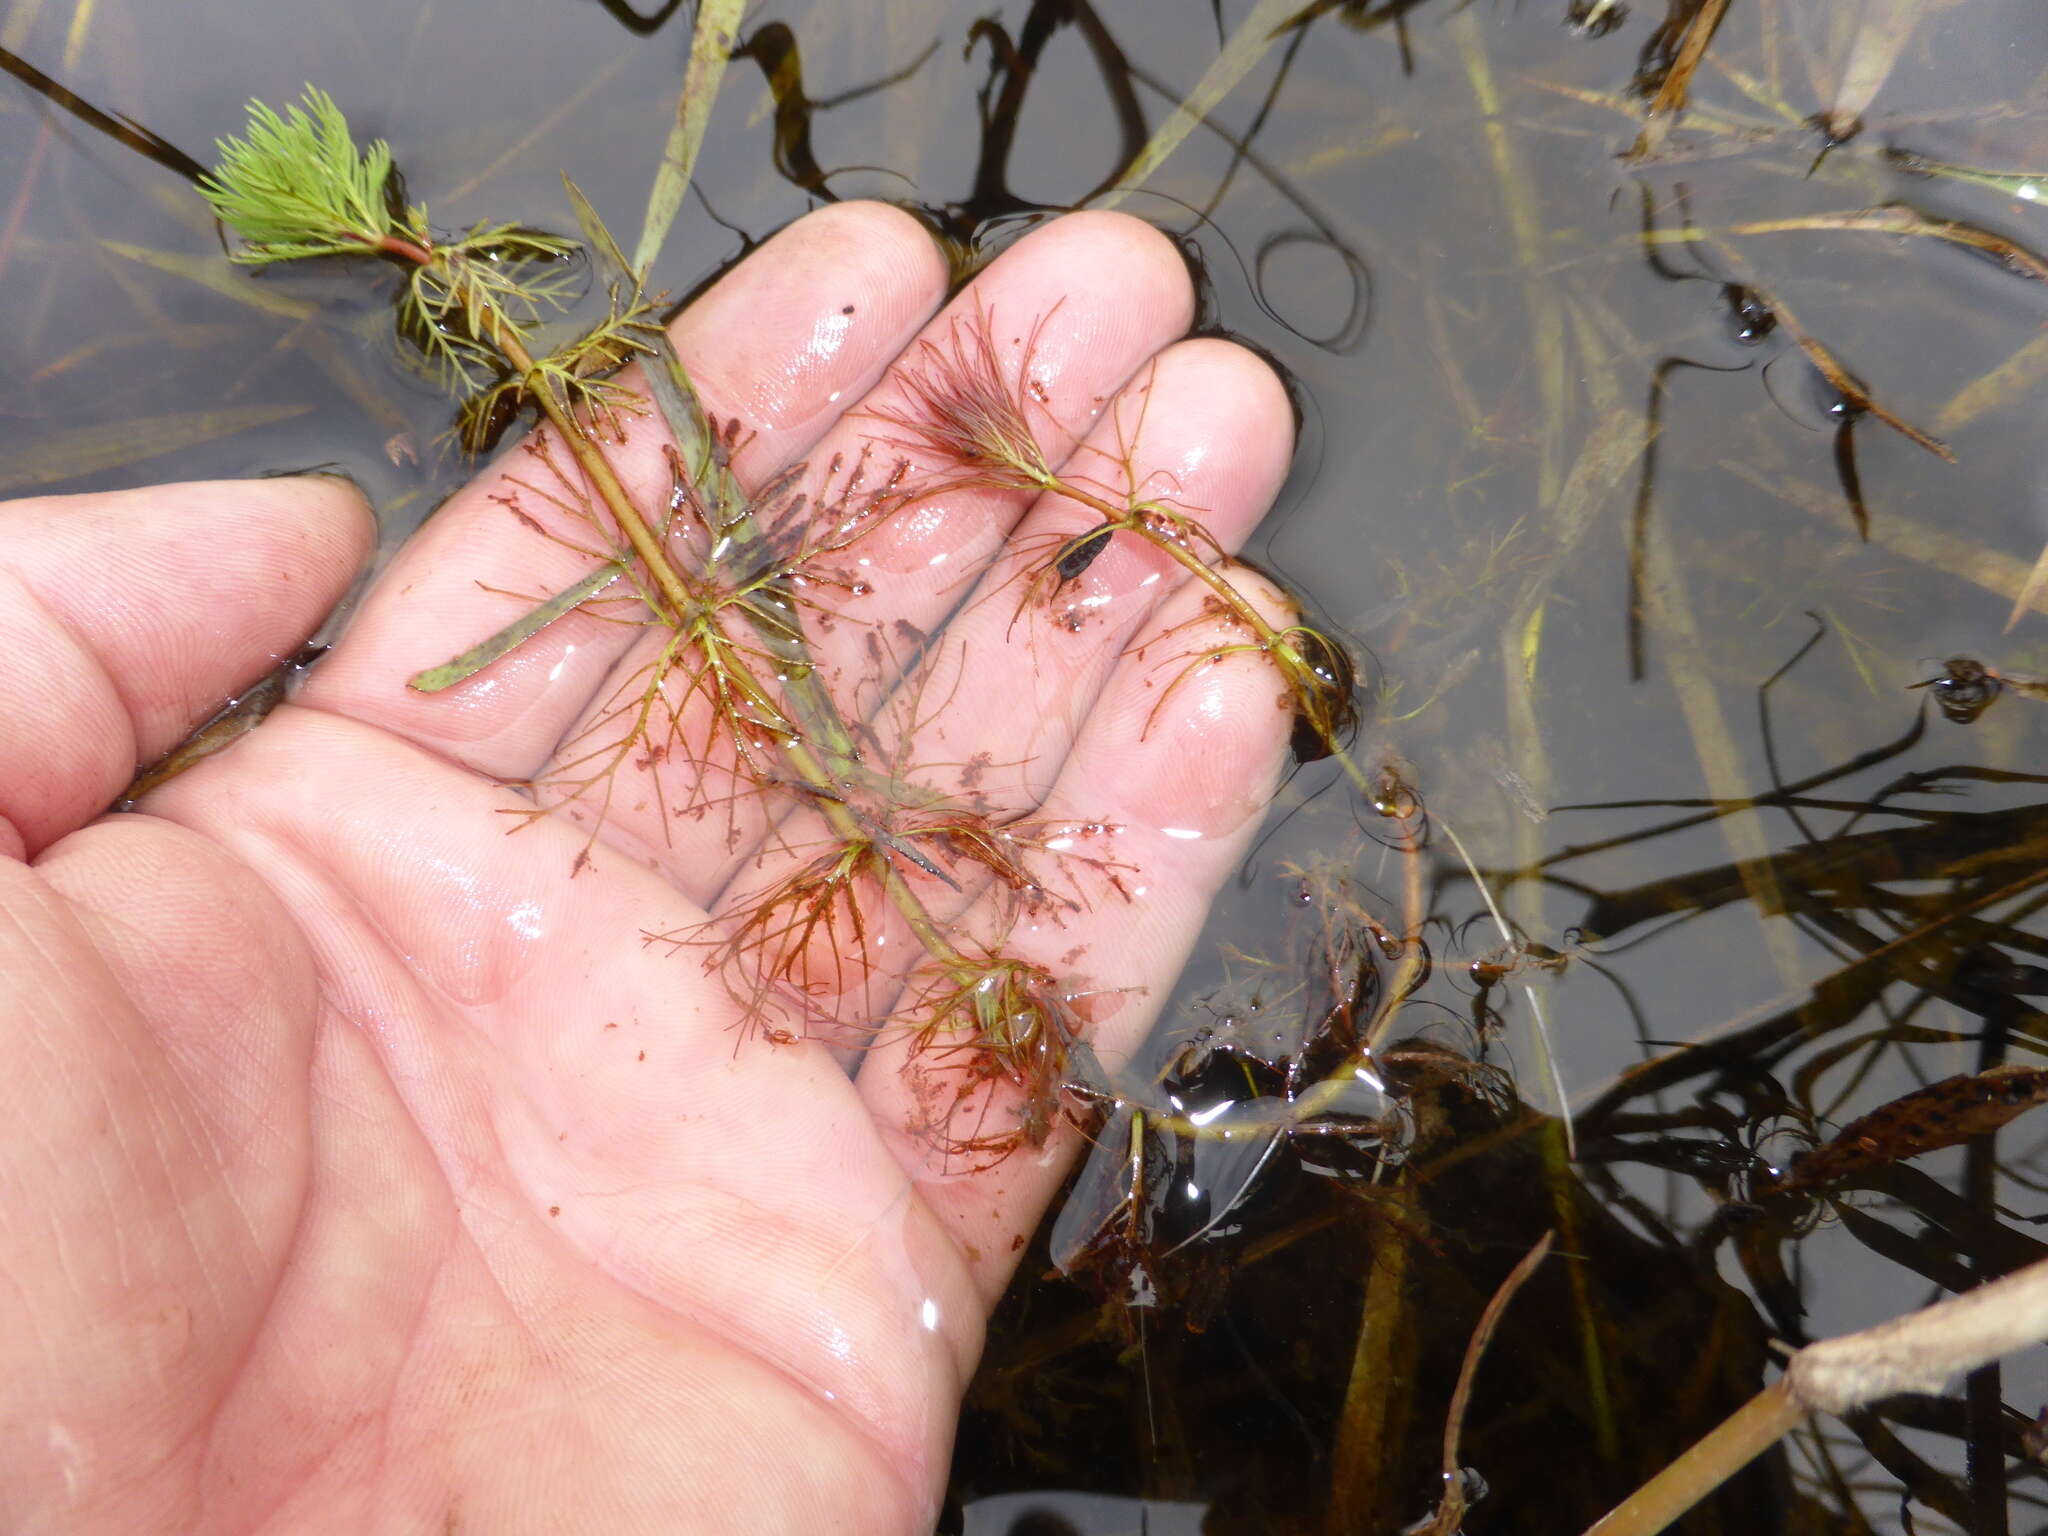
<point x="1432" y="232"/>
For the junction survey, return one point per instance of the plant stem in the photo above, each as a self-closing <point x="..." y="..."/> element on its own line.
<point x="398" y="248"/>
<point x="1740" y="1438"/>
<point x="817" y="704"/>
<point x="1270" y="639"/>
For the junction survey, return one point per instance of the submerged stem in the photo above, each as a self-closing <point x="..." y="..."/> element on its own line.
<point x="1741" y="1438"/>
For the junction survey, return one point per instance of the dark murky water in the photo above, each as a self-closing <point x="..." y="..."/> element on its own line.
<point x="1421" y="214"/>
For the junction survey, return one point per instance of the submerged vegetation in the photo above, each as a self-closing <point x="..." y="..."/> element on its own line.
<point x="1613" y="903"/>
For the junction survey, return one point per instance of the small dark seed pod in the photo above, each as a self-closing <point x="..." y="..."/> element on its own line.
<point x="1079" y="554"/>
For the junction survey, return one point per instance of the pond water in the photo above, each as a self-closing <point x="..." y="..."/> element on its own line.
<point x="1574" y="483"/>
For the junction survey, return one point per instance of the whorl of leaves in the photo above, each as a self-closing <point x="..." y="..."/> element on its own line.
<point x="296" y="187"/>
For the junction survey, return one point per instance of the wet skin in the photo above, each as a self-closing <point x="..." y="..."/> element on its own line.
<point x="365" y="1171"/>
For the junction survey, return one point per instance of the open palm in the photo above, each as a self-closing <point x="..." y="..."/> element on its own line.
<point x="365" y="1169"/>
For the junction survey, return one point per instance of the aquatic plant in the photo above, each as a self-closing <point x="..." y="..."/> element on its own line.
<point x="733" y="580"/>
<point x="1544" y="370"/>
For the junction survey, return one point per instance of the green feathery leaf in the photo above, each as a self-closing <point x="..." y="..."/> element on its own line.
<point x="295" y="187"/>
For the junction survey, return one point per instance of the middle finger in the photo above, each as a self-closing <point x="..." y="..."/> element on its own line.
<point x="690" y="809"/>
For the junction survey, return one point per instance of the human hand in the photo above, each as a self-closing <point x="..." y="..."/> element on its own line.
<point x="365" y="1169"/>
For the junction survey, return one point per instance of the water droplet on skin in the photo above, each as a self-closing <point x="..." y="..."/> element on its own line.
<point x="525" y="920"/>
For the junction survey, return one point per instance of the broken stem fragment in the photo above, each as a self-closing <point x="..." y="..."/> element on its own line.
<point x="1919" y="1352"/>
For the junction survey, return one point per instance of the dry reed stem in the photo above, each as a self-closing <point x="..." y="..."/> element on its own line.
<point x="1919" y="1352"/>
<point x="1671" y="96"/>
<point x="1668" y="606"/>
<point x="2004" y="575"/>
